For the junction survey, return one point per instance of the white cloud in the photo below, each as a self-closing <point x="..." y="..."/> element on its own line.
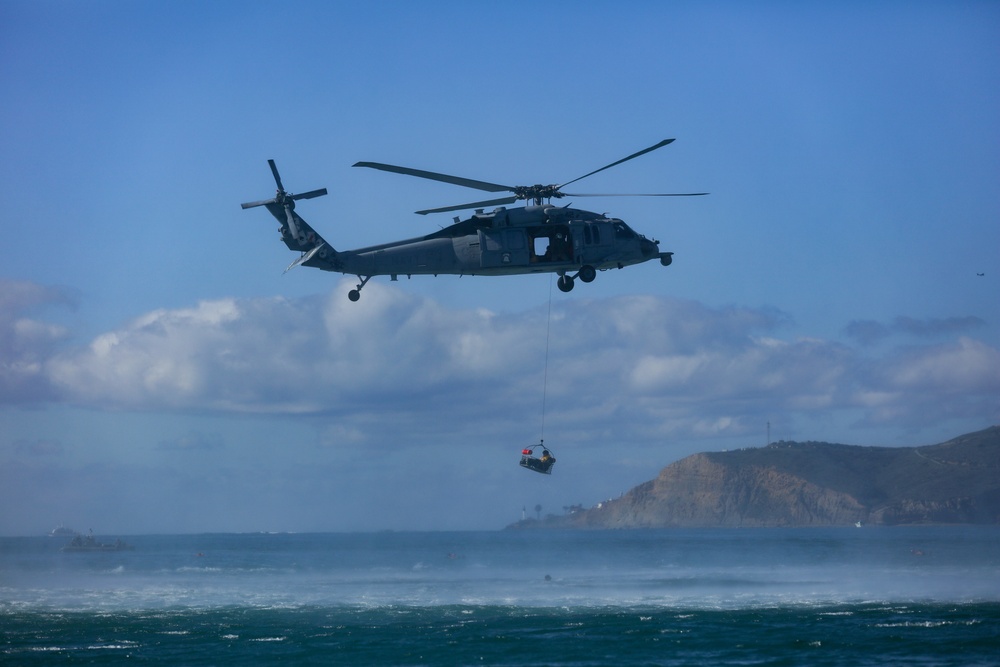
<point x="922" y="385"/>
<point x="26" y="342"/>
<point x="636" y="367"/>
<point x="961" y="366"/>
<point x="870" y="331"/>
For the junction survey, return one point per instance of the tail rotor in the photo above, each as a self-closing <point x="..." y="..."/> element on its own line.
<point x="286" y="200"/>
<point x="282" y="198"/>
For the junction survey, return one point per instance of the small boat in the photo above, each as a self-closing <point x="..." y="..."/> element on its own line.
<point x="62" y="531"/>
<point x="88" y="543"/>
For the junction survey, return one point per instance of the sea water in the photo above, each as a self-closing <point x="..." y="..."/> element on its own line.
<point x="845" y="596"/>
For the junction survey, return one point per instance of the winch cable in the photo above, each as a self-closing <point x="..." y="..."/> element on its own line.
<point x="545" y="372"/>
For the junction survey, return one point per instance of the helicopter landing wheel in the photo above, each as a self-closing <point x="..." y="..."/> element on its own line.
<point x="587" y="273"/>
<point x="565" y="283"/>
<point x="355" y="294"/>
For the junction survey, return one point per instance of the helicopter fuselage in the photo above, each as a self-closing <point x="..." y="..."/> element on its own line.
<point x="530" y="239"/>
<point x="540" y="238"/>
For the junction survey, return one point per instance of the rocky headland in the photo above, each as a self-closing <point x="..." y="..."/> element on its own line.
<point x="811" y="484"/>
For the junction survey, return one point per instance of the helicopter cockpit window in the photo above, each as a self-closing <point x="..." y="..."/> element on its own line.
<point x="623" y="231"/>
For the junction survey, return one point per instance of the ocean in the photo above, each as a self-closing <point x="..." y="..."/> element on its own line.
<point x="846" y="596"/>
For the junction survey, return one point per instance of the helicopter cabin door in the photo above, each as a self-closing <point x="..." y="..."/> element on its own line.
<point x="550" y="244"/>
<point x="501" y="248"/>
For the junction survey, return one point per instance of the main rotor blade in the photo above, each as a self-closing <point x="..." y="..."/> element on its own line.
<point x="624" y="159"/>
<point x="478" y="204"/>
<point x="444" y="178"/>
<point x="310" y="194"/>
<point x="277" y="178"/>
<point x="671" y="194"/>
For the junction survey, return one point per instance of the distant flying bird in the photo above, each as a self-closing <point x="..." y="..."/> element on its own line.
<point x="980" y="274"/>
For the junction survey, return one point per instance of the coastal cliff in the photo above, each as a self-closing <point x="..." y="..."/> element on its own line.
<point x="811" y="484"/>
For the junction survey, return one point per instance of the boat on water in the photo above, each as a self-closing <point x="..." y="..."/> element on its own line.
<point x="89" y="543"/>
<point x="63" y="531"/>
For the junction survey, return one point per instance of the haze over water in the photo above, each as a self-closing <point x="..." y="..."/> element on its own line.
<point x="663" y="597"/>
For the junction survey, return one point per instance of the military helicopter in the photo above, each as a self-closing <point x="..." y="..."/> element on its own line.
<point x="536" y="238"/>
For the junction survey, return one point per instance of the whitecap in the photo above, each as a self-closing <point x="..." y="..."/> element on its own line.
<point x="113" y="647"/>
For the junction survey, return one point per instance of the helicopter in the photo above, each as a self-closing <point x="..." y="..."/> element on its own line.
<point x="539" y="237"/>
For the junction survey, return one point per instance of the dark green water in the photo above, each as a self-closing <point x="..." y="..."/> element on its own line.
<point x="913" y="596"/>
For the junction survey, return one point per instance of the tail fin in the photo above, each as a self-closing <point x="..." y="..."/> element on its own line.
<point x="296" y="232"/>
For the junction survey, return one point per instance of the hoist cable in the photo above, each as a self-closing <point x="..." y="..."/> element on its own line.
<point x="545" y="372"/>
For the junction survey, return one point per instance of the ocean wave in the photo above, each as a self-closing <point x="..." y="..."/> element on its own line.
<point x="120" y="646"/>
<point x="926" y="624"/>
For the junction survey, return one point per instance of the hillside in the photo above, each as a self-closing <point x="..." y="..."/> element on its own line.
<point x="811" y="484"/>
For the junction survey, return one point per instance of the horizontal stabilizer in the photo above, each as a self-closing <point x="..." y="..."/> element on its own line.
<point x="306" y="256"/>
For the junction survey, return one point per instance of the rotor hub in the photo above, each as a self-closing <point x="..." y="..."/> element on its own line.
<point x="537" y="192"/>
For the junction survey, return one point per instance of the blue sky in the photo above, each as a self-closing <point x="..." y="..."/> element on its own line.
<point x="158" y="372"/>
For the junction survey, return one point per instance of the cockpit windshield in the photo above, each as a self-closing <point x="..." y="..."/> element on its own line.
<point x="623" y="231"/>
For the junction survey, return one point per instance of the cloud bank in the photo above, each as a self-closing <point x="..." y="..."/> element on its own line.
<point x="639" y="366"/>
